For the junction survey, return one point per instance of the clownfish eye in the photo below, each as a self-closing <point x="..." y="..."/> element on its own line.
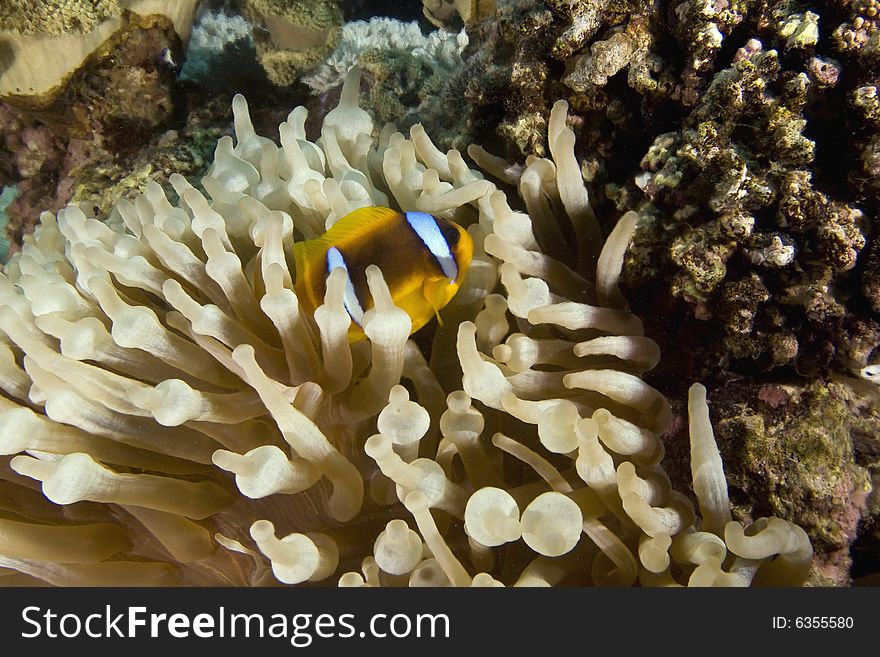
<point x="449" y="231"/>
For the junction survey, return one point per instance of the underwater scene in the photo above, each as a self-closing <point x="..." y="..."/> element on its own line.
<point x="439" y="293"/>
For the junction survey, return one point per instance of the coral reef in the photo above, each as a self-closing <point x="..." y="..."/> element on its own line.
<point x="443" y="13"/>
<point x="440" y="50"/>
<point x="52" y="171"/>
<point x="753" y="243"/>
<point x="801" y="465"/>
<point x="33" y="32"/>
<point x="858" y="35"/>
<point x="804" y="451"/>
<point x="106" y="124"/>
<point x="405" y="70"/>
<point x="746" y="136"/>
<point x="746" y="140"/>
<point x="501" y="92"/>
<point x="220" y="52"/>
<point x="457" y="81"/>
<point x="185" y="423"/>
<point x="102" y="182"/>
<point x="292" y="37"/>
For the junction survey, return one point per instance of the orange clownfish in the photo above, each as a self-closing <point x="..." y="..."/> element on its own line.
<point x="423" y="259"/>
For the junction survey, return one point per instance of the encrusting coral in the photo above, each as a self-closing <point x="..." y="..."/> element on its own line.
<point x="803" y="452"/>
<point x="34" y="32"/>
<point x="220" y="47"/>
<point x="406" y="69"/>
<point x="76" y="148"/>
<point x="294" y="36"/>
<point x="187" y="424"/>
<point x="442" y="12"/>
<point x="755" y="244"/>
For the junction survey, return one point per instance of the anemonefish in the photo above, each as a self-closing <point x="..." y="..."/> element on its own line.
<point x="423" y="259"/>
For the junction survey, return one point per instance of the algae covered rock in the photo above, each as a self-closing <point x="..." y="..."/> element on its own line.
<point x="293" y="36"/>
<point x="91" y="131"/>
<point x="34" y="32"/>
<point x="799" y="460"/>
<point x="806" y="452"/>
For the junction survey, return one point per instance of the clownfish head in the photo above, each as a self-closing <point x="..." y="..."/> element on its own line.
<point x="453" y="249"/>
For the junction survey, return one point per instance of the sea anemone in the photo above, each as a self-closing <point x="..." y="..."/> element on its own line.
<point x="186" y="423"/>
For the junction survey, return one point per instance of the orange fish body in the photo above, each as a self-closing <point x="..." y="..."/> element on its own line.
<point x="423" y="259"/>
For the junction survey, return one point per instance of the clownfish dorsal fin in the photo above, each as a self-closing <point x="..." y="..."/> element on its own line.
<point x="305" y="253"/>
<point x="309" y="256"/>
<point x="357" y="224"/>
